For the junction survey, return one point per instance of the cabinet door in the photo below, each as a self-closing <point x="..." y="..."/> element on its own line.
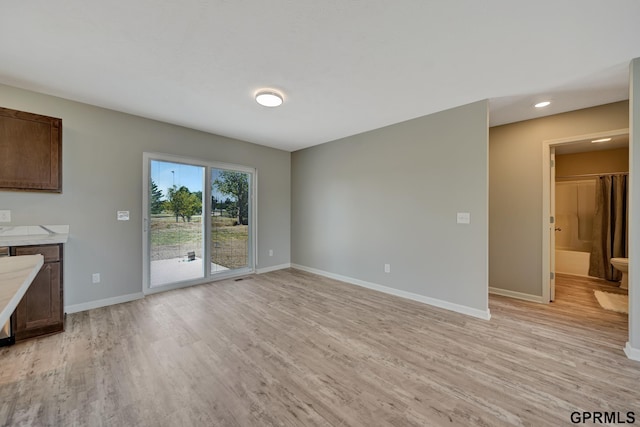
<point x="31" y="147"/>
<point x="50" y="253"/>
<point x="40" y="311"/>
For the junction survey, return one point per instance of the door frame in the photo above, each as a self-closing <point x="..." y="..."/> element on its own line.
<point x="147" y="157"/>
<point x="548" y="208"/>
<point x="552" y="226"/>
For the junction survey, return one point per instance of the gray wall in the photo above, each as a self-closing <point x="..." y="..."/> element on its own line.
<point x="391" y="196"/>
<point x="515" y="190"/>
<point x="634" y="211"/>
<point x="102" y="173"/>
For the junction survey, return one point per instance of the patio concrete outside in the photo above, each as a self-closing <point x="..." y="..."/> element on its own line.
<point x="173" y="270"/>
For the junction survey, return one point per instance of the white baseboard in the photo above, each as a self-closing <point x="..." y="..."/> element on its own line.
<point x="75" y="308"/>
<point x="586" y="276"/>
<point x="632" y="353"/>
<point x="517" y="295"/>
<point x="463" y="309"/>
<point x="272" y="268"/>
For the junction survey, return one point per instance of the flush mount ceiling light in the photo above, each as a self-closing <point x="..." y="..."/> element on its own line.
<point x="269" y="98"/>
<point x="595" y="141"/>
<point x="542" y="104"/>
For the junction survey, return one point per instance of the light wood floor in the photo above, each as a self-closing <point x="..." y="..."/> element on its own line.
<point x="290" y="348"/>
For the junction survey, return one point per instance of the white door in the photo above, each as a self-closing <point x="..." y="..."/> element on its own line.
<point x="552" y="225"/>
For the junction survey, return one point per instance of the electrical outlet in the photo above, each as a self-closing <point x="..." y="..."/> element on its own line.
<point x="95" y="278"/>
<point x="5" y="216"/>
<point x="270" y="252"/>
<point x="387" y="268"/>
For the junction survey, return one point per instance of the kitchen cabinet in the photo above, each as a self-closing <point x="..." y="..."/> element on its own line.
<point x="30" y="152"/>
<point x="40" y="312"/>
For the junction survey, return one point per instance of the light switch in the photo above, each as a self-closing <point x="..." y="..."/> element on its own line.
<point x="5" y="216"/>
<point x="123" y="215"/>
<point x="464" y="218"/>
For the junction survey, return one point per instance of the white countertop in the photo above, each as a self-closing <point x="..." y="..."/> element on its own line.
<point x="16" y="274"/>
<point x="24" y="235"/>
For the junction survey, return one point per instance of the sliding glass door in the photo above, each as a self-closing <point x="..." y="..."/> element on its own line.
<point x="198" y="221"/>
<point x="176" y="227"/>
<point x="230" y="219"/>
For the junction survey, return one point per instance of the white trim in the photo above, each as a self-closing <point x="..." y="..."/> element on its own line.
<point x="546" y="208"/>
<point x="578" y="138"/>
<point x="146" y="224"/>
<point x="632" y="353"/>
<point x="230" y="274"/>
<point x="552" y="228"/>
<point x="632" y="203"/>
<point x="273" y="268"/>
<point x="517" y="295"/>
<point x="253" y="220"/>
<point x="586" y="276"/>
<point x="463" y="309"/>
<point x="76" y="308"/>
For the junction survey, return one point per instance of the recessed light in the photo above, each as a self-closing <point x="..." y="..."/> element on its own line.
<point x="269" y="98"/>
<point x="601" y="140"/>
<point x="542" y="104"/>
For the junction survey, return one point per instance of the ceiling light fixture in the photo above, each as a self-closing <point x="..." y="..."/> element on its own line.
<point x="542" y="104"/>
<point x="269" y="98"/>
<point x="595" y="141"/>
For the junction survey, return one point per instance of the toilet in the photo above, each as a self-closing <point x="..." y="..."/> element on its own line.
<point x="622" y="265"/>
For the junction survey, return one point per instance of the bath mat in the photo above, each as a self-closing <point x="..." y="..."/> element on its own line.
<point x="613" y="302"/>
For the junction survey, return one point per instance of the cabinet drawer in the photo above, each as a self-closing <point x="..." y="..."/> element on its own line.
<point x="51" y="253"/>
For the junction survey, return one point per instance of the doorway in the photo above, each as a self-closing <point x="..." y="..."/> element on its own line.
<point x="199" y="221"/>
<point x="551" y="226"/>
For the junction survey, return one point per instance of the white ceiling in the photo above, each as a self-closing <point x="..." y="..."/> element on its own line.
<point x="345" y="66"/>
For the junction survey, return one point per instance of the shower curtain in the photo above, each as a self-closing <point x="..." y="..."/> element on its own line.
<point x="609" y="226"/>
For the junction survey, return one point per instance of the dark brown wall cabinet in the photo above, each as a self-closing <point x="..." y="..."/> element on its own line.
<point x="40" y="312"/>
<point x="30" y="152"/>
